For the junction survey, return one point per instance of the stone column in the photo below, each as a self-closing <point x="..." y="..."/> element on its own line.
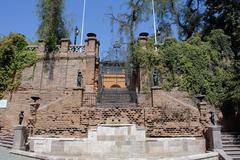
<point x="65" y="42"/>
<point x="154" y="94"/>
<point x="20" y="137"/>
<point x="41" y="46"/>
<point x="33" y="118"/>
<point x="92" y="45"/>
<point x="143" y="76"/>
<point x="214" y="140"/>
<point x="204" y="119"/>
<point x="143" y="38"/>
<point x="91" y="49"/>
<point x="78" y="92"/>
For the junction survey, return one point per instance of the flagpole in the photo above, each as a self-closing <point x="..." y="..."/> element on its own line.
<point x="154" y="22"/>
<point x="83" y="21"/>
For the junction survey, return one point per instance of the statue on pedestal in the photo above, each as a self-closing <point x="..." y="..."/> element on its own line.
<point x="79" y="79"/>
<point x="20" y="116"/>
<point x="155" y="78"/>
<point x="212" y="118"/>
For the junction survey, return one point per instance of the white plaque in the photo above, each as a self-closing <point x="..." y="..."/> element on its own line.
<point x="3" y="103"/>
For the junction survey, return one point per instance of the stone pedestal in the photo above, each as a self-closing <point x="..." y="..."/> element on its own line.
<point x="214" y="138"/>
<point x="20" y="136"/>
<point x="154" y="95"/>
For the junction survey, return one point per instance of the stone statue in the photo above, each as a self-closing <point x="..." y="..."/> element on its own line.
<point x="79" y="79"/>
<point x="21" y="116"/>
<point x="212" y="118"/>
<point x="155" y="78"/>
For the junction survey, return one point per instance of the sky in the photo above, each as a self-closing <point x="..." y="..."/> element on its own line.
<point x="20" y="16"/>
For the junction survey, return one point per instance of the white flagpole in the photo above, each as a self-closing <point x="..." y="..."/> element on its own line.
<point x="154" y="22"/>
<point x="83" y="21"/>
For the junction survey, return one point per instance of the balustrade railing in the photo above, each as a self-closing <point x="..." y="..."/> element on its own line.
<point x="57" y="48"/>
<point x="76" y="49"/>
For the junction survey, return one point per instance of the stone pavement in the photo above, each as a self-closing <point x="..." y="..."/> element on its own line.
<point x="5" y="155"/>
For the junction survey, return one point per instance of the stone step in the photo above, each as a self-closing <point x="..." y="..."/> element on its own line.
<point x="122" y="98"/>
<point x="227" y="138"/>
<point x="232" y="149"/>
<point x="231" y="146"/>
<point x="231" y="142"/>
<point x="231" y="133"/>
<point x="235" y="157"/>
<point x="117" y="98"/>
<point x="233" y="153"/>
<point x="6" y="138"/>
<point x="5" y="145"/>
<point x="115" y="105"/>
<point x="6" y="142"/>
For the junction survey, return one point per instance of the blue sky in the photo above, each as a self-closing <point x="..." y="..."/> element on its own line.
<point x="20" y="16"/>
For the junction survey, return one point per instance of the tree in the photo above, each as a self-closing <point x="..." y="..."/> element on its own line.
<point x="196" y="65"/>
<point x="129" y="20"/>
<point x="52" y="24"/>
<point x="14" y="57"/>
<point x="224" y="15"/>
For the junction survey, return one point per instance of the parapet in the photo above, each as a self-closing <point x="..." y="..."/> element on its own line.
<point x="91" y="47"/>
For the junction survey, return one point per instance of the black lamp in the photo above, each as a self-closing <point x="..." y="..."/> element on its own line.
<point x="76" y="31"/>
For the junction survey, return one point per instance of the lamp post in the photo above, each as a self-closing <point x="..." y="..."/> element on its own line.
<point x="76" y="32"/>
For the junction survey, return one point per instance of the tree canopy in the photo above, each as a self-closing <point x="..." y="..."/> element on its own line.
<point x="52" y="24"/>
<point x="14" y="57"/>
<point x="197" y="66"/>
<point x="205" y="58"/>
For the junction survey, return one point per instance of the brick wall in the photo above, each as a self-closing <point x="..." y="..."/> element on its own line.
<point x="54" y="80"/>
<point x="167" y="118"/>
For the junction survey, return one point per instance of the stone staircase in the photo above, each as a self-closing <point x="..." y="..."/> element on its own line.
<point x="117" y="96"/>
<point x="6" y="141"/>
<point x="231" y="144"/>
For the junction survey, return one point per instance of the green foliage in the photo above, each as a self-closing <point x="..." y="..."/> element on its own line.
<point x="13" y="59"/>
<point x="194" y="65"/>
<point x="52" y="27"/>
<point x="224" y="15"/>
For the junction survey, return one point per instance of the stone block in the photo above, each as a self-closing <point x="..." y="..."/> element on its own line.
<point x="214" y="138"/>
<point x="20" y="137"/>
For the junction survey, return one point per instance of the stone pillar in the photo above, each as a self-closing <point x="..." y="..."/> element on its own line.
<point x="20" y="137"/>
<point x="143" y="38"/>
<point x="154" y="94"/>
<point x="92" y="45"/>
<point x="143" y="75"/>
<point x="214" y="140"/>
<point x="91" y="49"/>
<point x="41" y="46"/>
<point x="65" y="42"/>
<point x="33" y="117"/>
<point x="79" y="91"/>
<point x="204" y="119"/>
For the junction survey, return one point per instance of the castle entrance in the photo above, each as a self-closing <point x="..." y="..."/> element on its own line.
<point x="114" y="78"/>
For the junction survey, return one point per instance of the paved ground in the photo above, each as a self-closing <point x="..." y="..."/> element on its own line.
<point x="5" y="155"/>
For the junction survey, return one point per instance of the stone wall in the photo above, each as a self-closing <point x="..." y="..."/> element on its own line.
<point x="58" y="71"/>
<point x="167" y="118"/>
<point x="54" y="79"/>
<point x="118" y="141"/>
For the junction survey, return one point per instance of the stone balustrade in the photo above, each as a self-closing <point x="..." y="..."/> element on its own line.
<point x="58" y="48"/>
<point x="91" y="47"/>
